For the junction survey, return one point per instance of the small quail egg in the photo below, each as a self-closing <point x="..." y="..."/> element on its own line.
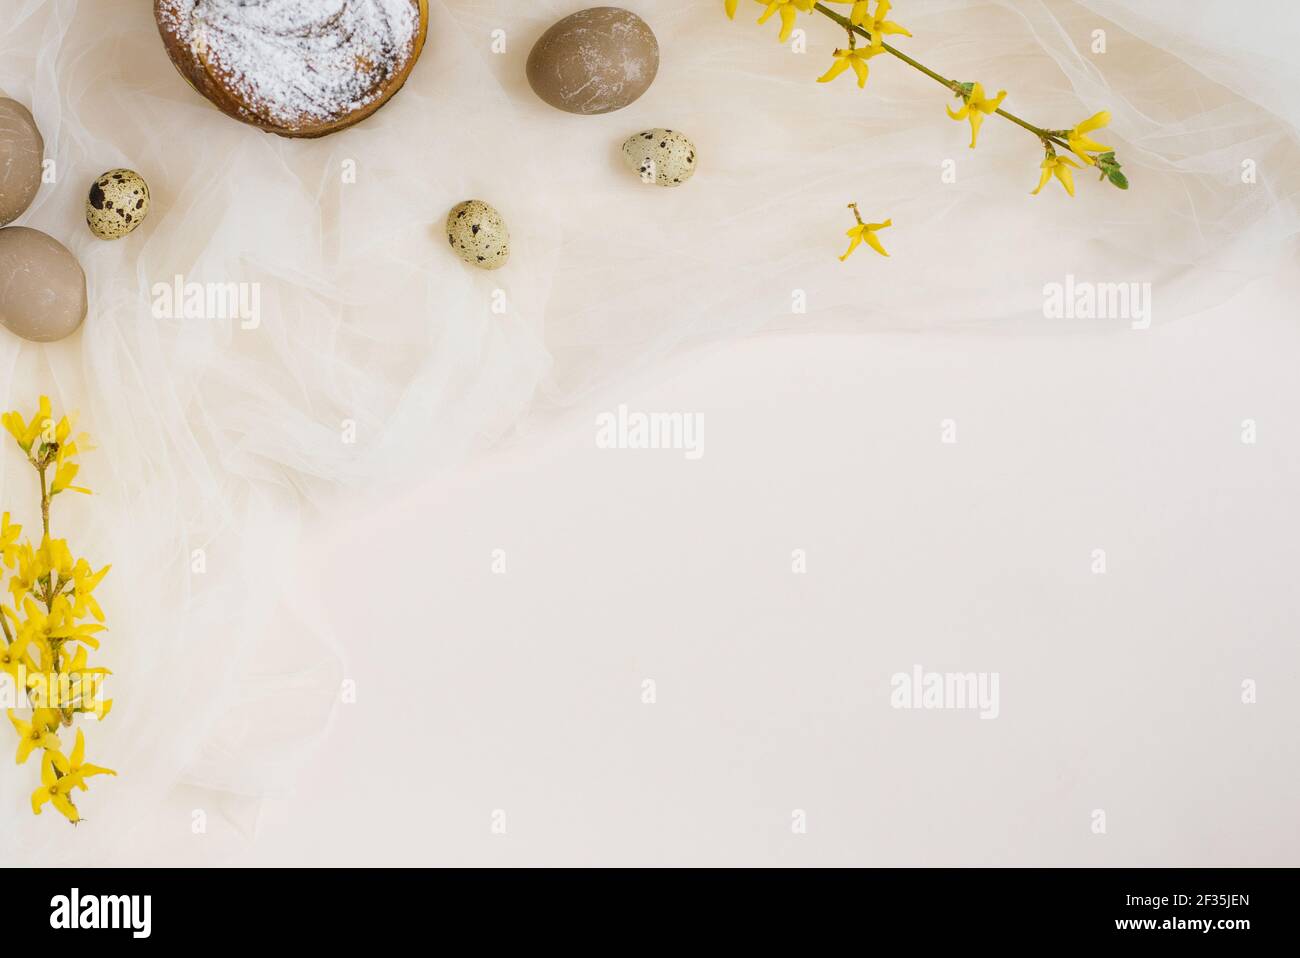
<point x="117" y="204"/>
<point x="478" y="234"/>
<point x="660" y="156"/>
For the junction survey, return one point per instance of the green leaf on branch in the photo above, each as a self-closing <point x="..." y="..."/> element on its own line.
<point x="1110" y="170"/>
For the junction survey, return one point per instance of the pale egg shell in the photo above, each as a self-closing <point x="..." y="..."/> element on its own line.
<point x="117" y="204"/>
<point x="478" y="234"/>
<point x="22" y="155"/>
<point x="660" y="156"/>
<point x="42" y="286"/>
<point x="594" y="61"/>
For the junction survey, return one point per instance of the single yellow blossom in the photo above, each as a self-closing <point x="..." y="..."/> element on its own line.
<point x="84" y="581"/>
<point x="1082" y="144"/>
<point x="731" y="8"/>
<point x="24" y="432"/>
<point x="976" y="107"/>
<point x="789" y="10"/>
<point x="855" y="57"/>
<point x="865" y="233"/>
<point x="877" y="25"/>
<point x="1058" y="166"/>
<point x="74" y="768"/>
<point x="54" y="789"/>
<point x="38" y="733"/>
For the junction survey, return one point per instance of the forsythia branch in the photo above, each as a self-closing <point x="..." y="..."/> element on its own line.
<point x="862" y="22"/>
<point x="45" y="653"/>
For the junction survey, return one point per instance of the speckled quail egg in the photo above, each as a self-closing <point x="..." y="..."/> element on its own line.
<point x="478" y="234"/>
<point x="117" y="204"/>
<point x="660" y="156"/>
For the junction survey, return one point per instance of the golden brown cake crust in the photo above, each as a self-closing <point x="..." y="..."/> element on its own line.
<point x="298" y="68"/>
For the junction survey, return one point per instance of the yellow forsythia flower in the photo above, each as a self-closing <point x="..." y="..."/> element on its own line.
<point x="75" y="768"/>
<point x="1080" y="142"/>
<point x="865" y="233"/>
<point x="38" y="733"/>
<point x="788" y="9"/>
<point x="976" y="107"/>
<point x="1060" y="167"/>
<point x="877" y="25"/>
<point x="27" y="433"/>
<point x="855" y="57"/>
<point x="731" y="8"/>
<point x="54" y="789"/>
<point x="84" y="581"/>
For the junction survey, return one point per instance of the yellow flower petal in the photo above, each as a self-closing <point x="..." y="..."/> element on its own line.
<point x="840" y="65"/>
<point x="1081" y="144"/>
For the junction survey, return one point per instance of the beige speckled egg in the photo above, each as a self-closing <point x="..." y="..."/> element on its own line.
<point x="478" y="234"/>
<point x="117" y="204"/>
<point x="660" y="156"/>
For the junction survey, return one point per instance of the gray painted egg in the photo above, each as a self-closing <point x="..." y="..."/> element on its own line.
<point x="22" y="153"/>
<point x="594" y="61"/>
<point x="42" y="286"/>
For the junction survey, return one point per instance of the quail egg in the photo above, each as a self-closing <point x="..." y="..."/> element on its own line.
<point x="660" y="156"/>
<point x="117" y="204"/>
<point x="478" y="234"/>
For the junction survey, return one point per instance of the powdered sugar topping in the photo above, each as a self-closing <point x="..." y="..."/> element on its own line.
<point x="295" y="61"/>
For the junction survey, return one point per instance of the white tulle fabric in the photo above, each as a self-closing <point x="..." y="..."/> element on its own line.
<point x="223" y="439"/>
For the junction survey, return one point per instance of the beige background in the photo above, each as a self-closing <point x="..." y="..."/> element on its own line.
<point x="329" y="561"/>
<point x="522" y="692"/>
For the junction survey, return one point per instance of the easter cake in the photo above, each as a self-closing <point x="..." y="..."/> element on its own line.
<point x="298" y="68"/>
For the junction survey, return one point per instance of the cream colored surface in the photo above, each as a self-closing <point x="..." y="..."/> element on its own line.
<point x="522" y="692"/>
<point x="1119" y="693"/>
